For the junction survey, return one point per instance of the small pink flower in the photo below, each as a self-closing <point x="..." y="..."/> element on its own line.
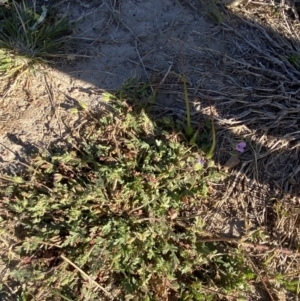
<point x="240" y="147"/>
<point x="201" y="161"/>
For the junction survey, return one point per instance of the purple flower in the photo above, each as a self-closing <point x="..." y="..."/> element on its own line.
<point x="201" y="161"/>
<point x="240" y="147"/>
<point x="199" y="164"/>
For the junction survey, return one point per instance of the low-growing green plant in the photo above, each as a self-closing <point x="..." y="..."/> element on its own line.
<point x="116" y="215"/>
<point x="29" y="35"/>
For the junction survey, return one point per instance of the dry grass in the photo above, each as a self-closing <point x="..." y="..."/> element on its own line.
<point x="258" y="208"/>
<point x="259" y="103"/>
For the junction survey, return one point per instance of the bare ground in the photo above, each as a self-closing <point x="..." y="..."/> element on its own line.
<point x="242" y="67"/>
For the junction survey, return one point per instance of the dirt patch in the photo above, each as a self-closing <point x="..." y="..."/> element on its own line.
<point x="243" y="67"/>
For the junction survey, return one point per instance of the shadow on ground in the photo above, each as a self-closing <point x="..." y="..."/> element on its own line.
<point x="246" y="72"/>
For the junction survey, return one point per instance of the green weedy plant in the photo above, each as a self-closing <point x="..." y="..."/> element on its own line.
<point x="116" y="215"/>
<point x="190" y="134"/>
<point x="29" y="35"/>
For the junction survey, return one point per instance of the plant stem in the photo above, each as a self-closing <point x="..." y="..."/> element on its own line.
<point x="210" y="154"/>
<point x="189" y="129"/>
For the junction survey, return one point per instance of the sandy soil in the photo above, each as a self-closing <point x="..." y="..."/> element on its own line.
<point x="239" y="66"/>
